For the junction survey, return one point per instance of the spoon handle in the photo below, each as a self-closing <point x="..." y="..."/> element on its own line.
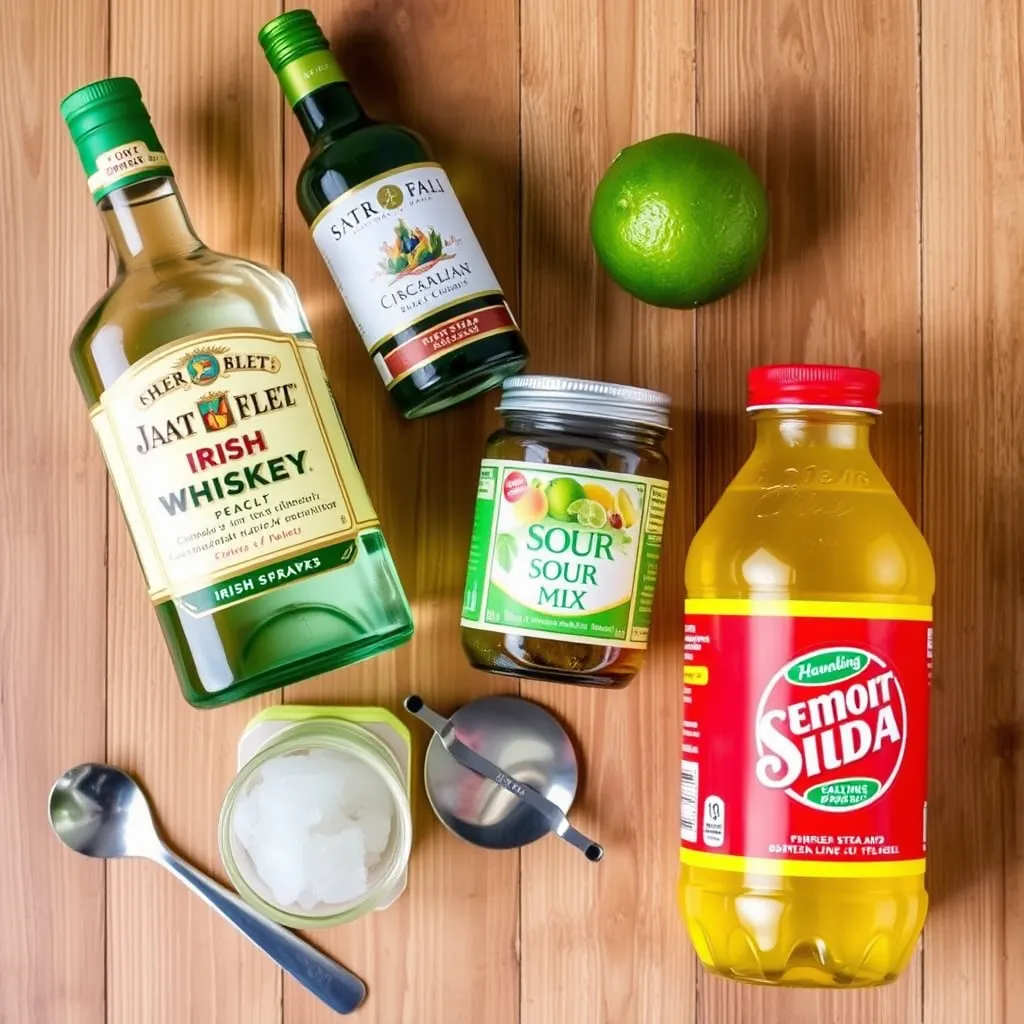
<point x="327" y="980"/>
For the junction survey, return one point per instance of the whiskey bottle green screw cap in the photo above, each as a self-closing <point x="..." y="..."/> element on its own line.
<point x="299" y="54"/>
<point x="111" y="129"/>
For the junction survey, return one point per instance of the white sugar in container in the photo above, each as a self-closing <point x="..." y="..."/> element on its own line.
<point x="316" y="829"/>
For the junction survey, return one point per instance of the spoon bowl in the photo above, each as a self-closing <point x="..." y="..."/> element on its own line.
<point x="100" y="811"/>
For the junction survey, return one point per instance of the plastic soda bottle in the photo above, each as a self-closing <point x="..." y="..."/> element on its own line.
<point x="805" y="700"/>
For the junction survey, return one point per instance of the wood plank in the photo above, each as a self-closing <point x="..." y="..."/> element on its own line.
<point x="973" y="190"/>
<point x="605" y="943"/>
<point x="822" y="100"/>
<point x="53" y="520"/>
<point x="215" y="109"/>
<point x="451" y="939"/>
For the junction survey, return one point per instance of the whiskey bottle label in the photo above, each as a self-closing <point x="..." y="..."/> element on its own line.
<point x="232" y="467"/>
<point x="404" y="257"/>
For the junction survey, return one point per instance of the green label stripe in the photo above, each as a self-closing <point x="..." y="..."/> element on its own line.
<point x="307" y="73"/>
<point x="479" y="547"/>
<point x="647" y="578"/>
<point x="254" y="582"/>
<point x="647" y="565"/>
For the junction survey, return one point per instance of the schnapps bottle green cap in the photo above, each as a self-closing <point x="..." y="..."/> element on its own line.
<point x="299" y="54"/>
<point x="111" y="129"/>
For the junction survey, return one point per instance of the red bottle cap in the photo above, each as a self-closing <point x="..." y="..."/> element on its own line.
<point x="809" y="386"/>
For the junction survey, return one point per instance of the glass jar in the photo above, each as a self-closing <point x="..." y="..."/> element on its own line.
<point x="567" y="532"/>
<point x="370" y="737"/>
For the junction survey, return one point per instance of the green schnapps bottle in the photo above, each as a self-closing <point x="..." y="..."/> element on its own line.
<point x="263" y="554"/>
<point x="392" y="232"/>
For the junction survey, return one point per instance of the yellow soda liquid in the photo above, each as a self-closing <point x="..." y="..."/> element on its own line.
<point x="809" y="526"/>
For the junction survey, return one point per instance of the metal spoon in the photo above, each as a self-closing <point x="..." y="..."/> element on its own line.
<point x="100" y="811"/>
<point x="469" y="758"/>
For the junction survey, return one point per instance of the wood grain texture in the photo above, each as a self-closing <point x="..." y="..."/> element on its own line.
<point x="52" y="494"/>
<point x="171" y="959"/>
<point x="973" y="173"/>
<point x="822" y="100"/>
<point x="605" y="943"/>
<point x="448" y="948"/>
<point x="889" y="135"/>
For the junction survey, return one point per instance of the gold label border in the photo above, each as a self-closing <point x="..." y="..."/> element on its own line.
<point x="138" y="369"/>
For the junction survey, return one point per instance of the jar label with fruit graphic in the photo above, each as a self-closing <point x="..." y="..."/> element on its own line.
<point x="804" y="737"/>
<point x="560" y="552"/>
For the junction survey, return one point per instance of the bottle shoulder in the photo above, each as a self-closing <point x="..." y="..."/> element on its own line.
<point x="148" y="307"/>
<point x="835" y="532"/>
<point x="343" y="161"/>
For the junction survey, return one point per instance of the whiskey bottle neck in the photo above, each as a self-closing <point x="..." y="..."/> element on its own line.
<point x="331" y="109"/>
<point x="147" y="223"/>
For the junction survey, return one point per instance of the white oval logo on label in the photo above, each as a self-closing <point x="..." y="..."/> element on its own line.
<point x="831" y="729"/>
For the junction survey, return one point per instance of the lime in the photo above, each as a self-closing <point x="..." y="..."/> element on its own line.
<point x="592" y="513"/>
<point x="561" y="493"/>
<point x="678" y="220"/>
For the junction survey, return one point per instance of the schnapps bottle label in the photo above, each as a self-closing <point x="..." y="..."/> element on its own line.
<point x="401" y="251"/>
<point x="805" y="736"/>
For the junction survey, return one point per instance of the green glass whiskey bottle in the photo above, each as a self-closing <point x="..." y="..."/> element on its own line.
<point x="264" y="557"/>
<point x="394" y="236"/>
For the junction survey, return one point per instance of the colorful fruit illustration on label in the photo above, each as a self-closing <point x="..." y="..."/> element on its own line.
<point x="625" y="508"/>
<point x="552" y="555"/>
<point x="531" y="506"/>
<point x="552" y="511"/>
<point x="600" y="494"/>
<point x="413" y="250"/>
<point x="831" y="729"/>
<point x="562" y="493"/>
<point x="589" y="513"/>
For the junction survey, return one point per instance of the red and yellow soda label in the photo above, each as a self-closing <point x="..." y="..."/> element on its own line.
<point x="805" y="737"/>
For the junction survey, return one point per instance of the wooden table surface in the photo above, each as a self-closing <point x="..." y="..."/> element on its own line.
<point x="889" y="134"/>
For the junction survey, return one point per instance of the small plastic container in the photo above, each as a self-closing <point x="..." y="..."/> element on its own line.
<point x="567" y="532"/>
<point x="372" y="736"/>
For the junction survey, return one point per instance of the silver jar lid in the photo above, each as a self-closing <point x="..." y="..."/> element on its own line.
<point x="576" y="397"/>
